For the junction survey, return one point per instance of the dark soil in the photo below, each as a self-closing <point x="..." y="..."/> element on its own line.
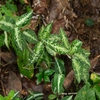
<point x="72" y="16"/>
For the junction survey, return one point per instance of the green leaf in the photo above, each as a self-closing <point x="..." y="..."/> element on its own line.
<point x="7" y="24"/>
<point x="41" y="31"/>
<point x="90" y="94"/>
<point x="95" y="78"/>
<point x="81" y="65"/>
<point x="11" y="7"/>
<point x="12" y="95"/>
<point x="1" y="97"/>
<point x="59" y="66"/>
<point x="50" y="51"/>
<point x="17" y="40"/>
<point x="35" y="96"/>
<point x="75" y="46"/>
<point x="6" y="11"/>
<point x="24" y="19"/>
<point x="2" y="40"/>
<point x="67" y="98"/>
<point x="45" y="58"/>
<point x="6" y="40"/>
<point x="0" y="15"/>
<point x="97" y="90"/>
<point x="64" y="39"/>
<point x="57" y="83"/>
<point x="39" y="77"/>
<point x="37" y="52"/>
<point x="45" y="32"/>
<point x="30" y="36"/>
<point x="54" y="38"/>
<point x="22" y="62"/>
<point x="15" y="96"/>
<point x="55" y="48"/>
<point x="89" y="22"/>
<point x="77" y="69"/>
<point x="46" y="78"/>
<point x="83" y="92"/>
<point x="52" y="96"/>
<point x="48" y="72"/>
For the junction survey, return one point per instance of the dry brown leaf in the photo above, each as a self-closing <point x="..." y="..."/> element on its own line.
<point x="31" y="85"/>
<point x="40" y="6"/>
<point x="14" y="83"/>
<point x="59" y="9"/>
<point x="7" y="57"/>
<point x="55" y="8"/>
<point x="69" y="79"/>
<point x="57" y="25"/>
<point x="95" y="65"/>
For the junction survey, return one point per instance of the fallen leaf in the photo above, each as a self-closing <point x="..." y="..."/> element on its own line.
<point x="69" y="79"/>
<point x="14" y="83"/>
<point x="94" y="62"/>
<point x="8" y="57"/>
<point x="40" y="6"/>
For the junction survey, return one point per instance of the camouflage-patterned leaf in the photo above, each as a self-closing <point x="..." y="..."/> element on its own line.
<point x="46" y="58"/>
<point x="45" y="32"/>
<point x="30" y="36"/>
<point x="24" y="19"/>
<point x="77" y="69"/>
<point x="7" y="24"/>
<point x="50" y="51"/>
<point x="17" y="40"/>
<point x="41" y="30"/>
<point x="54" y="38"/>
<point x="75" y="46"/>
<point x="59" y="66"/>
<point x="64" y="39"/>
<point x="55" y="48"/>
<point x="57" y="83"/>
<point x="22" y="62"/>
<point x="81" y="65"/>
<point x="6" y="40"/>
<point x="37" y="52"/>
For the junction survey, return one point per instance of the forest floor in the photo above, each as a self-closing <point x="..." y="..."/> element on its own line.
<point x="80" y="19"/>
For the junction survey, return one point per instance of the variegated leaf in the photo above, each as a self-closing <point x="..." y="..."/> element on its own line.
<point x="57" y="83"/>
<point x="2" y="40"/>
<point x="45" y="32"/>
<point x="24" y="19"/>
<point x="50" y="51"/>
<point x="54" y="38"/>
<point x="22" y="62"/>
<point x="55" y="48"/>
<point x="6" y="40"/>
<point x="41" y="30"/>
<point x="17" y="40"/>
<point x="81" y="65"/>
<point x="64" y="39"/>
<point x="45" y="58"/>
<point x="7" y="24"/>
<point x="77" y="69"/>
<point x="37" y="52"/>
<point x="75" y="46"/>
<point x="84" y="62"/>
<point x="59" y="66"/>
<point x="30" y="36"/>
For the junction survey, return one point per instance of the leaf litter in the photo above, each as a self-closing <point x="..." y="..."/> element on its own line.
<point x="71" y="15"/>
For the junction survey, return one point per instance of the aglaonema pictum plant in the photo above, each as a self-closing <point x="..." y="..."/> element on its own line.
<point x="47" y="47"/>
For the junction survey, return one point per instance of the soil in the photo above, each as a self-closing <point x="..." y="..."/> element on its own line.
<point x="80" y="19"/>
